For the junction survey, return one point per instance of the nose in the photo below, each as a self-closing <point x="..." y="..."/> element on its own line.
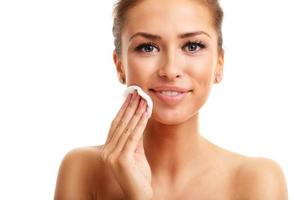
<point x="170" y="68"/>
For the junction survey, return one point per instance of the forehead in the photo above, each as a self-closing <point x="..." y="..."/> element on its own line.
<point x="167" y="17"/>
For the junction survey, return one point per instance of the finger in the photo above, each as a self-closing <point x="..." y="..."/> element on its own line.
<point x="118" y="117"/>
<point x="134" y="138"/>
<point x="123" y="123"/>
<point x="131" y="126"/>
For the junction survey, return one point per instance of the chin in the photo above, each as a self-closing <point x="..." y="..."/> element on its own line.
<point x="170" y="118"/>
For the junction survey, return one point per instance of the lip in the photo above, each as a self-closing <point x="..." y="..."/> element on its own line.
<point x="170" y="100"/>
<point x="170" y="88"/>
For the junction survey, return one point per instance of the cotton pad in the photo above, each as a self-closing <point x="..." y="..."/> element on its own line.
<point x="146" y="97"/>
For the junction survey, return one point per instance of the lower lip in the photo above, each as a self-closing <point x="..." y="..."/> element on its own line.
<point x="170" y="99"/>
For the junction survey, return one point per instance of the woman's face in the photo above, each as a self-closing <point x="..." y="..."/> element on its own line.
<point x="179" y="49"/>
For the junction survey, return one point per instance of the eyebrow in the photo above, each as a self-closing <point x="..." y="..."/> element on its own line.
<point x="157" y="37"/>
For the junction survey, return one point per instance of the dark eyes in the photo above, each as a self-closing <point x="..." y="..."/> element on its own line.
<point x="190" y="46"/>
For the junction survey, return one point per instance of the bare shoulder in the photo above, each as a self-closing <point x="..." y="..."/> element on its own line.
<point x="261" y="178"/>
<point x="79" y="168"/>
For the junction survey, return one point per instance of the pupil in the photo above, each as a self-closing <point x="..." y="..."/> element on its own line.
<point x="148" y="48"/>
<point x="193" y="47"/>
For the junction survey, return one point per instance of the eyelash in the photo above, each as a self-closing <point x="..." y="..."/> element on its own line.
<point x="143" y="45"/>
<point x="147" y="44"/>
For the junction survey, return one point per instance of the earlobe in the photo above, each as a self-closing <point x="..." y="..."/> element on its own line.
<point x="218" y="77"/>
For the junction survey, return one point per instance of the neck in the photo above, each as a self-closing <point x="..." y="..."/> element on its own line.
<point x="172" y="149"/>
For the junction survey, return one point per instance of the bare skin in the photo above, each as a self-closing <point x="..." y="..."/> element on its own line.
<point x="165" y="156"/>
<point x="210" y="173"/>
<point x="232" y="177"/>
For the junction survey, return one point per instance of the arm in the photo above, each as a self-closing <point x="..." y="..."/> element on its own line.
<point x="262" y="179"/>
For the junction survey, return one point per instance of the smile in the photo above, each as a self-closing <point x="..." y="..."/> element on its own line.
<point x="170" y="97"/>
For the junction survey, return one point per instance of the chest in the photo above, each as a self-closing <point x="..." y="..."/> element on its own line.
<point x="213" y="189"/>
<point x="203" y="189"/>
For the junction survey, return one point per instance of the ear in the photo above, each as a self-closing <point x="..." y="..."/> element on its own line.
<point x="218" y="76"/>
<point x="119" y="67"/>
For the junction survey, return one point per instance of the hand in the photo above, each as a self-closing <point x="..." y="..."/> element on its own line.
<point x="123" y="151"/>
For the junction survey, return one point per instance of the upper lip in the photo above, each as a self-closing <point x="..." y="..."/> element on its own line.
<point x="170" y="88"/>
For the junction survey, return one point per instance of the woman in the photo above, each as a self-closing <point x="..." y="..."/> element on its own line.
<point x="163" y="46"/>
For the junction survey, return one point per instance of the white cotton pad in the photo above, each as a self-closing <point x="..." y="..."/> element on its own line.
<point x="145" y="96"/>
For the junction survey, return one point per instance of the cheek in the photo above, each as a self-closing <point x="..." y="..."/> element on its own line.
<point x="202" y="70"/>
<point x="201" y="73"/>
<point x="139" y="69"/>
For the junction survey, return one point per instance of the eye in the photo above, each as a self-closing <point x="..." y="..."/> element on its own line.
<point x="146" y="47"/>
<point x="194" y="46"/>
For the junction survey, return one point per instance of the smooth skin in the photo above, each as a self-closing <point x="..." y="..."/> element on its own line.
<point x="165" y="156"/>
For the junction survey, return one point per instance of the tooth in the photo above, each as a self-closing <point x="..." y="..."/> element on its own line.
<point x="170" y="93"/>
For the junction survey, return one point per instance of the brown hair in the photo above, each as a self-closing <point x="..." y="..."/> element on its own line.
<point x="121" y="8"/>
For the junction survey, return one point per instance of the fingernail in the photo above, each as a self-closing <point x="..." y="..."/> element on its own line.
<point x="129" y="96"/>
<point x="134" y="94"/>
<point x="142" y="102"/>
<point x="146" y="115"/>
<point x="137" y="96"/>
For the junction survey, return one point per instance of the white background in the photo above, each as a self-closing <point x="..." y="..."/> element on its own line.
<point x="59" y="88"/>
